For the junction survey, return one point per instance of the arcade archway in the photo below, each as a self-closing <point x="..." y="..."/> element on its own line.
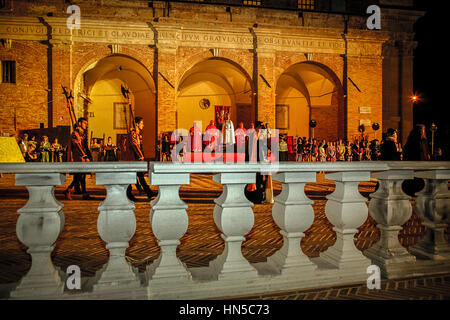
<point x="108" y="112"/>
<point x="308" y="91"/>
<point x="210" y="83"/>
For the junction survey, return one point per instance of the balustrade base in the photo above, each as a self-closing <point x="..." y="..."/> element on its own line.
<point x="113" y="277"/>
<point x="431" y="251"/>
<point x="45" y="286"/>
<point x="351" y="260"/>
<point x="393" y="263"/>
<point x="232" y="270"/>
<point x="205" y="284"/>
<point x="288" y="265"/>
<point x="174" y="272"/>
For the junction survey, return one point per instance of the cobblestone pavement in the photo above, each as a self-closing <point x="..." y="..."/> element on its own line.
<point x="80" y="244"/>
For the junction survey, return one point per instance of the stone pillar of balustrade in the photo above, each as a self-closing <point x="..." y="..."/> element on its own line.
<point x="390" y="207"/>
<point x="39" y="224"/>
<point x="233" y="216"/>
<point x="347" y="210"/>
<point x="432" y="205"/>
<point x="294" y="214"/>
<point x="169" y="221"/>
<point x="116" y="226"/>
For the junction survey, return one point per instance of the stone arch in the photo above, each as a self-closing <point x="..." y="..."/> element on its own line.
<point x="311" y="90"/>
<point x="100" y="80"/>
<point x="220" y="80"/>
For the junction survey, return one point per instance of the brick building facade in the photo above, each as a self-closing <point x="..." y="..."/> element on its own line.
<point x="249" y="56"/>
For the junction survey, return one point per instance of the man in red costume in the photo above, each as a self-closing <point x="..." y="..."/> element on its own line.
<point x="211" y="135"/>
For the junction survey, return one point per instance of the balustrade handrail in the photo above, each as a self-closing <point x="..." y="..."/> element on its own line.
<point x="418" y="165"/>
<point x="179" y="167"/>
<point x="63" y="167"/>
<point x="167" y="167"/>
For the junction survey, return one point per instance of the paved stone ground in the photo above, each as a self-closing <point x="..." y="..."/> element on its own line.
<point x="436" y="287"/>
<point x="79" y="242"/>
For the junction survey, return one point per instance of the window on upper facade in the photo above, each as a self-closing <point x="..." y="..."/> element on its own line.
<point x="252" y="2"/>
<point x="5" y="4"/>
<point x="8" y="71"/>
<point x="306" y="4"/>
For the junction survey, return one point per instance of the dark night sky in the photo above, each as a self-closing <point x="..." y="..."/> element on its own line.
<point x="429" y="65"/>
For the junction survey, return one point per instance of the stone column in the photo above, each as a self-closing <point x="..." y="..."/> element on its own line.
<point x="266" y="91"/>
<point x="233" y="216"/>
<point x="432" y="206"/>
<point x="391" y="208"/>
<point x="61" y="75"/>
<point x="346" y="209"/>
<point x="294" y="214"/>
<point x="406" y="85"/>
<point x="116" y="226"/>
<point x="39" y="224"/>
<point x="365" y="69"/>
<point x="166" y="84"/>
<point x="169" y="221"/>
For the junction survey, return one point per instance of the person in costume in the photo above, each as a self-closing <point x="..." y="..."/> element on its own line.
<point x="45" y="148"/>
<point x="137" y="147"/>
<point x="110" y="150"/>
<point x="78" y="151"/>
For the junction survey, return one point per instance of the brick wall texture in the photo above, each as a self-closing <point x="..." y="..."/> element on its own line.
<point x="43" y="66"/>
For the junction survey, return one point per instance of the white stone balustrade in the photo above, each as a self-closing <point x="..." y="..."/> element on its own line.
<point x="116" y="226"/>
<point x="346" y="209"/>
<point x="41" y="221"/>
<point x="294" y="214"/>
<point x="169" y="221"/>
<point x="233" y="216"/>
<point x="390" y="207"/>
<point x="432" y="205"/>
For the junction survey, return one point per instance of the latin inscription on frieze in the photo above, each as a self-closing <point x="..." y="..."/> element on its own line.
<point x="310" y="43"/>
<point x="102" y="33"/>
<point x="205" y="37"/>
<point x="182" y="38"/>
<point x="23" y="30"/>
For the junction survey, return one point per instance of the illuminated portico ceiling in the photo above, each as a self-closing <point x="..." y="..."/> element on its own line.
<point x="131" y="72"/>
<point x="234" y="80"/>
<point x="312" y="81"/>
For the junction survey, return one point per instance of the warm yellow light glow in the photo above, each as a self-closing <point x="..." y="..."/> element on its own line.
<point x="414" y="98"/>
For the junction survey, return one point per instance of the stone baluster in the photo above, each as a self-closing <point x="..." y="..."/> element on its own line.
<point x="233" y="216"/>
<point x="39" y="224"/>
<point x="346" y="209"/>
<point x="391" y="208"/>
<point x="169" y="221"/>
<point x="116" y="226"/>
<point x="433" y="207"/>
<point x="294" y="214"/>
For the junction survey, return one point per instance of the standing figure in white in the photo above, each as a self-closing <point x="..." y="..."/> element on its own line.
<point x="228" y="131"/>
